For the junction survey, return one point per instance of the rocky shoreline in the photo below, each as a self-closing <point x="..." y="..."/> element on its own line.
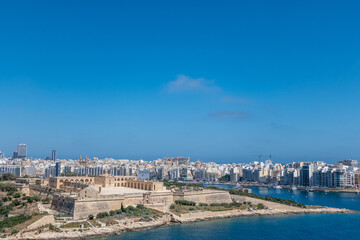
<point x="171" y="219"/>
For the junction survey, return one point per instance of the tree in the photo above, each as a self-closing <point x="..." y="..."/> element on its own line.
<point x="260" y="206"/>
<point x="7" y="177"/>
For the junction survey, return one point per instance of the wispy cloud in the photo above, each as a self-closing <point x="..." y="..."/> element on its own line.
<point x="231" y="115"/>
<point x="185" y="83"/>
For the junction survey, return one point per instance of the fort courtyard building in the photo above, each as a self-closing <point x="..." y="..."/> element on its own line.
<point x="84" y="196"/>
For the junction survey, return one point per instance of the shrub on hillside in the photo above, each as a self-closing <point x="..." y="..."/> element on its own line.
<point x="102" y="215"/>
<point x="185" y="202"/>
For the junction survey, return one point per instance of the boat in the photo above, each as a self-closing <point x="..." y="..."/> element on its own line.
<point x="294" y="188"/>
<point x="278" y="187"/>
<point x="357" y="191"/>
<point x="310" y="190"/>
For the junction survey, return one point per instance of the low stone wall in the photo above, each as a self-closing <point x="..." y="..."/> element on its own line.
<point x="205" y="196"/>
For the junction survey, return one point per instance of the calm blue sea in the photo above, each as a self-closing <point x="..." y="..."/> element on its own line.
<point x="308" y="226"/>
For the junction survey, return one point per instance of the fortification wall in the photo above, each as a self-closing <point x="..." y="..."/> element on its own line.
<point x="86" y="207"/>
<point x="159" y="197"/>
<point x="205" y="196"/>
<point x="133" y="199"/>
<point x="63" y="204"/>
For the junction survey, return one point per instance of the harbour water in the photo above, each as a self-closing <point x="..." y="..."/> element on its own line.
<point x="307" y="226"/>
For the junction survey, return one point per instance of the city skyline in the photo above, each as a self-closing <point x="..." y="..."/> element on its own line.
<point x="217" y="82"/>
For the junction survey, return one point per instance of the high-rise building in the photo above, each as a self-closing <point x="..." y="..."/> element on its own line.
<point x="53" y="155"/>
<point x="21" y="150"/>
<point x="306" y="175"/>
<point x="58" y="169"/>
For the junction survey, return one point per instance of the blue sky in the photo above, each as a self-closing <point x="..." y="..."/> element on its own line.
<point x="214" y="80"/>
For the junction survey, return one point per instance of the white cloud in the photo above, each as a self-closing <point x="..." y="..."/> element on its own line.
<point x="185" y="83"/>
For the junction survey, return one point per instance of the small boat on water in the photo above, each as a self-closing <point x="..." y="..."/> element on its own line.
<point x="357" y="191"/>
<point x="278" y="187"/>
<point x="310" y="190"/>
<point x="294" y="188"/>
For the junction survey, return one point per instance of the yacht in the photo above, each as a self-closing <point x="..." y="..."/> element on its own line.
<point x="293" y="188"/>
<point x="278" y="187"/>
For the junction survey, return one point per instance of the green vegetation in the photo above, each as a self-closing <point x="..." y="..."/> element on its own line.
<point x="5" y="210"/>
<point x="16" y="202"/>
<point x="17" y="195"/>
<point x="13" y="221"/>
<point x="31" y="199"/>
<point x="185" y="202"/>
<point x="5" y="187"/>
<point x="53" y="228"/>
<point x="138" y="211"/>
<point x="45" y="200"/>
<point x="213" y="207"/>
<point x="7" y="177"/>
<point x="260" y="206"/>
<point x="102" y="215"/>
